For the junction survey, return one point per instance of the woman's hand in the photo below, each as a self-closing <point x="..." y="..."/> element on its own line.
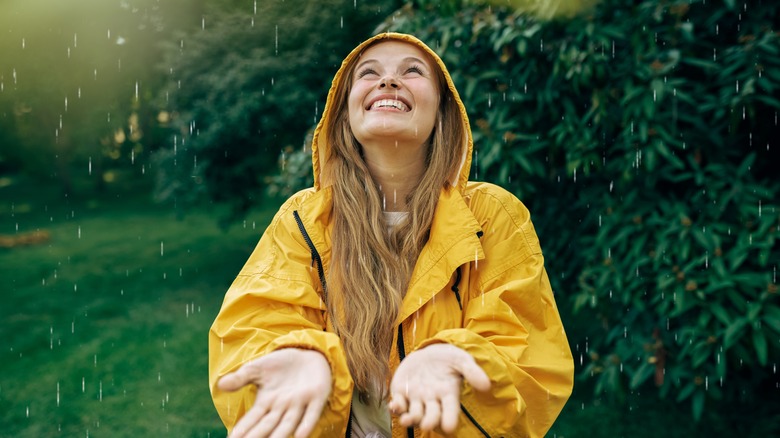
<point x="426" y="386"/>
<point x="292" y="388"/>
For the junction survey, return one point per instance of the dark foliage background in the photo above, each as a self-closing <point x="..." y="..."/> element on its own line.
<point x="246" y="86"/>
<point x="642" y="137"/>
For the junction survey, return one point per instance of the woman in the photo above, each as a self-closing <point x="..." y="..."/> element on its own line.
<point x="394" y="298"/>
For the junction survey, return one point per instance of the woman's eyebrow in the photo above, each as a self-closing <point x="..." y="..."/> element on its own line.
<point x="414" y="59"/>
<point x="367" y="61"/>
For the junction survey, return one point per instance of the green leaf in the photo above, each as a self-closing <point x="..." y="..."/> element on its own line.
<point x="753" y="310"/>
<point x="720" y="313"/>
<point x="760" y="344"/>
<point x="686" y="392"/>
<point x="772" y="317"/>
<point x="733" y="332"/>
<point x="642" y="374"/>
<point x="700" y="354"/>
<point x="698" y="404"/>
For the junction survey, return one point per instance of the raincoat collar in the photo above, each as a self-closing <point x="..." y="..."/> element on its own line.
<point x="320" y="148"/>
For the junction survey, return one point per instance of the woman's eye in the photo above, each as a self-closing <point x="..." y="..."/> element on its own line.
<point x="414" y="69"/>
<point x="365" y="72"/>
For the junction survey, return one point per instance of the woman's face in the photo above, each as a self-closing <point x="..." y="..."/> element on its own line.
<point x="394" y="95"/>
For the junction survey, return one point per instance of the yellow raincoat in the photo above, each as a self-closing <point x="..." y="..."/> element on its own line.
<point x="479" y="284"/>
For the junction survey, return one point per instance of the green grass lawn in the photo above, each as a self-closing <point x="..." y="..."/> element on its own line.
<point x="104" y="326"/>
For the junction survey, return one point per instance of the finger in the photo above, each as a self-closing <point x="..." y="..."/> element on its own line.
<point x="432" y="416"/>
<point x="267" y="424"/>
<point x="310" y="418"/>
<point x="414" y="415"/>
<point x="288" y="423"/>
<point x="450" y="411"/>
<point x="250" y="419"/>
<point x="475" y="375"/>
<point x="398" y="405"/>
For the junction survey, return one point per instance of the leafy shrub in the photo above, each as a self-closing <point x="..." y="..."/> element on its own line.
<point x="248" y="84"/>
<point x="643" y="137"/>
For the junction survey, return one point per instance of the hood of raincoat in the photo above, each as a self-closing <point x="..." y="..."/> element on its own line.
<point x="321" y="148"/>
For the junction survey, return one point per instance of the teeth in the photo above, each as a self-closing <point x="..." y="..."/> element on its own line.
<point x="390" y="103"/>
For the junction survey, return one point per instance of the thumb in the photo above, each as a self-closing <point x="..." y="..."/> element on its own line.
<point x="234" y="381"/>
<point x="475" y="375"/>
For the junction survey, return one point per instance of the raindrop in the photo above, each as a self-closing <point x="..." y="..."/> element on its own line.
<point x="66" y="110"/>
<point x="136" y="90"/>
<point x="58" y="394"/>
<point x="83" y="389"/>
<point x="162" y="248"/>
<point x="100" y="391"/>
<point x="90" y="165"/>
<point x="276" y="42"/>
<point x="75" y="40"/>
<point x="714" y="54"/>
<point x="22" y="43"/>
<point x="203" y="23"/>
<point x="79" y="236"/>
<point x="28" y="412"/>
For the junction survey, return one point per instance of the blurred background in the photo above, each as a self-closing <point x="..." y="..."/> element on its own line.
<point x="146" y="144"/>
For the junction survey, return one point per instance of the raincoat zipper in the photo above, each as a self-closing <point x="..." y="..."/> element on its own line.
<point x="315" y="256"/>
<point x="316" y="259"/>
<point x="401" y="356"/>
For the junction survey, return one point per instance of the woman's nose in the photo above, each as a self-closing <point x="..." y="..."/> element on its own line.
<point x="388" y="81"/>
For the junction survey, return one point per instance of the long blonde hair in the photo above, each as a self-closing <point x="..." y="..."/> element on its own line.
<point x="370" y="268"/>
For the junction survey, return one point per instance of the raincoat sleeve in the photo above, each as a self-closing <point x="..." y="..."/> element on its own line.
<point x="512" y="328"/>
<point x="273" y="304"/>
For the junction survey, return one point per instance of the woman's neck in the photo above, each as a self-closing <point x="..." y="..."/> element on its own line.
<point x="397" y="170"/>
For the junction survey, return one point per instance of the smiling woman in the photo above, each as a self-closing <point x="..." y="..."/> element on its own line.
<point x="395" y="297"/>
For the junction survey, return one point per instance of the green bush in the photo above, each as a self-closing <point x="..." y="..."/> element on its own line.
<point x="642" y="135"/>
<point x="248" y="84"/>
